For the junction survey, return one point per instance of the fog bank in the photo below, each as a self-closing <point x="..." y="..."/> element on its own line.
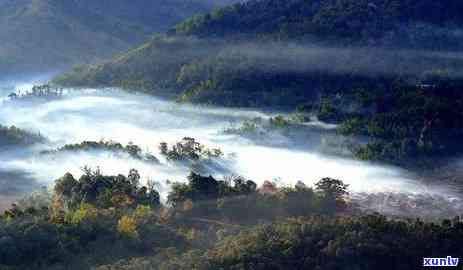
<point x="146" y="121"/>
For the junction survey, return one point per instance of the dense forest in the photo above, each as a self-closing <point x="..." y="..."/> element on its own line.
<point x="113" y="222"/>
<point x="354" y="63"/>
<point x="381" y="80"/>
<point x="376" y="22"/>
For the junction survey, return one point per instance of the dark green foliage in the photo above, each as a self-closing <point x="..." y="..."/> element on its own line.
<point x="15" y="136"/>
<point x="346" y="21"/>
<point x="409" y="122"/>
<point x="332" y="188"/>
<point x="233" y="63"/>
<point x="352" y="126"/>
<point x="213" y="225"/>
<point x="208" y="72"/>
<point x="198" y="188"/>
<point x="161" y="58"/>
<point x="131" y="149"/>
<point x="368" y="242"/>
<point x="83" y="225"/>
<point x="197" y="157"/>
<point x="400" y="103"/>
<point x="332" y="193"/>
<point x="104" y="191"/>
<point x="404" y="111"/>
<point x="188" y="149"/>
<point x="327" y="112"/>
<point x="261" y="206"/>
<point x="208" y="189"/>
<point x="36" y="242"/>
<point x="261" y="127"/>
<point x="102" y="218"/>
<point x="242" y="202"/>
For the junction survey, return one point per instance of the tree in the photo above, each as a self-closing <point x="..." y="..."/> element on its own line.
<point x="65" y="185"/>
<point x="205" y="187"/>
<point x="133" y="150"/>
<point x="332" y="192"/>
<point x="164" y="148"/>
<point x="134" y="178"/>
<point x="332" y="188"/>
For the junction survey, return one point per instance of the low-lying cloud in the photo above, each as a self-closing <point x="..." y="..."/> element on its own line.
<point x="147" y="121"/>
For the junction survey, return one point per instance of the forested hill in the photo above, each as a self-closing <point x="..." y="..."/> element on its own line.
<point x="367" y="21"/>
<point x="386" y="69"/>
<point x="195" y="53"/>
<point x="48" y="34"/>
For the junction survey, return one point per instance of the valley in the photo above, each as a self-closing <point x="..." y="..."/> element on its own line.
<point x="228" y="134"/>
<point x="284" y="156"/>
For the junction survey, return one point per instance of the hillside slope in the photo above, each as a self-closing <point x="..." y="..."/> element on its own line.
<point x="385" y="69"/>
<point x="48" y="34"/>
<point x="361" y="37"/>
<point x="365" y="21"/>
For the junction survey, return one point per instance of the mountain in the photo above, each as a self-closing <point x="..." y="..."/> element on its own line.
<point x="378" y="37"/>
<point x="352" y="20"/>
<point x="49" y="34"/>
<point x="387" y="70"/>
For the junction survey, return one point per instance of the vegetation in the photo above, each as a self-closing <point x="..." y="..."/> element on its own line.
<point x="44" y="90"/>
<point x="194" y="155"/>
<point x="112" y="222"/>
<point x="320" y="243"/>
<point x="408" y="122"/>
<point x="393" y="103"/>
<point x="54" y="34"/>
<point x="345" y="21"/>
<point x="103" y="191"/>
<point x="15" y="136"/>
<point x="188" y="149"/>
<point x="101" y="218"/>
<point x="131" y="149"/>
<point x="375" y="67"/>
<point x="261" y="127"/>
<point x="253" y="126"/>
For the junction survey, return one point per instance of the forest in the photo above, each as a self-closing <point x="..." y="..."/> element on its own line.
<point x="314" y="57"/>
<point x="113" y="222"/>
<point x="16" y="136"/>
<point x="259" y="134"/>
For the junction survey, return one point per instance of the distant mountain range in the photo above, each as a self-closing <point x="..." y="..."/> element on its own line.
<point x="38" y="35"/>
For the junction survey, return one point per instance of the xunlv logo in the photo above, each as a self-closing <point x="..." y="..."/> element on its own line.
<point x="449" y="261"/>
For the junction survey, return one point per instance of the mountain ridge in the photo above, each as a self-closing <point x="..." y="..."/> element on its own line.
<point x="321" y="57"/>
<point x="51" y="34"/>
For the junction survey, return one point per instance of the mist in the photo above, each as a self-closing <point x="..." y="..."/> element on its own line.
<point x="112" y="114"/>
<point x="361" y="61"/>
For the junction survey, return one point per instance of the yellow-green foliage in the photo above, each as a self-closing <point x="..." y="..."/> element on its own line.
<point x="127" y="226"/>
<point x="86" y="212"/>
<point x="142" y="212"/>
